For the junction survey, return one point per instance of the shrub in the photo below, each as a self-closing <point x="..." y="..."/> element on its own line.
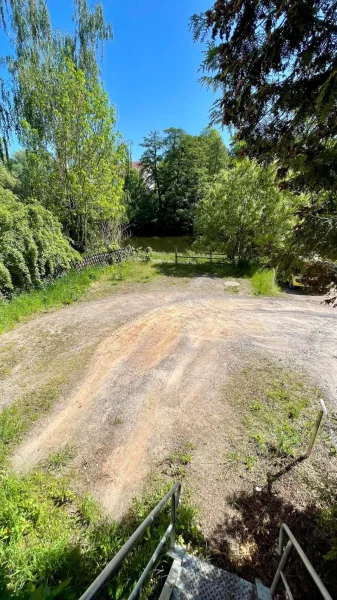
<point x="31" y="243"/>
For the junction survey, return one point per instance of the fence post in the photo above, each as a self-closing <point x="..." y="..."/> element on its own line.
<point x="176" y="257"/>
<point x="314" y="433"/>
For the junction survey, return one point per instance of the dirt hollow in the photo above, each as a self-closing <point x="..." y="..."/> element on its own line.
<point x="156" y="362"/>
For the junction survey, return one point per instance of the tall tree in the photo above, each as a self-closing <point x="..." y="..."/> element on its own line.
<point x="34" y="42"/>
<point x="244" y="213"/>
<point x="76" y="159"/>
<point x="274" y="64"/>
<point x="184" y="174"/>
<point x="150" y="163"/>
<point x="30" y="23"/>
<point x="176" y="168"/>
<point x="216" y="155"/>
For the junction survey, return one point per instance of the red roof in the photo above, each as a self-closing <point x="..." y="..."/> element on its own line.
<point x="137" y="165"/>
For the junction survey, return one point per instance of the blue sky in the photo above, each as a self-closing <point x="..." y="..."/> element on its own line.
<point x="150" y="69"/>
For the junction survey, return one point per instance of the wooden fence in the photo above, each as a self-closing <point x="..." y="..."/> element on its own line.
<point x="104" y="258"/>
<point x="210" y="256"/>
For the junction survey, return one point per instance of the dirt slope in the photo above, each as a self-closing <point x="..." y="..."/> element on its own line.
<point x="152" y="364"/>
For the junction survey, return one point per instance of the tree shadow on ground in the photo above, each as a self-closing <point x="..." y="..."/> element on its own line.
<point x="243" y="269"/>
<point x="246" y="543"/>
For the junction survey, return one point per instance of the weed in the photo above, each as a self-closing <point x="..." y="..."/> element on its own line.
<point x="233" y="457"/>
<point x="249" y="462"/>
<point x="189" y="446"/>
<point x="263" y="283"/>
<point x="179" y="458"/>
<point x="287" y="439"/>
<point x="57" y="460"/>
<point x="260" y="440"/>
<point x="176" y="461"/>
<point x="256" y="406"/>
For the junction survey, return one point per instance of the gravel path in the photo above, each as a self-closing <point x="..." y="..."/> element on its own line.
<point x="156" y="358"/>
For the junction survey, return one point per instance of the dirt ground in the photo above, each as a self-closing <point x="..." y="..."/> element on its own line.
<point x="143" y="370"/>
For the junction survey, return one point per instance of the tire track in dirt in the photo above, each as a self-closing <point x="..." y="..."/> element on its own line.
<point x="157" y="381"/>
<point x="153" y="365"/>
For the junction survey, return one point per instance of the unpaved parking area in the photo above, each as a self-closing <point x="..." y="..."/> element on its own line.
<point x="144" y="370"/>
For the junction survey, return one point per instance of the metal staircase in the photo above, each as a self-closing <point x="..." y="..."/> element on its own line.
<point x="192" y="578"/>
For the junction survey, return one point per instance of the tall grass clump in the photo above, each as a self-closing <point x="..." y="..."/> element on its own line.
<point x="264" y="283"/>
<point x="65" y="290"/>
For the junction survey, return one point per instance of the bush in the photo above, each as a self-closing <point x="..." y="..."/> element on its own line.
<point x="245" y="213"/>
<point x="31" y="243"/>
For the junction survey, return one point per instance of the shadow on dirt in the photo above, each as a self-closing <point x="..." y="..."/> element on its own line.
<point x="254" y="531"/>
<point x="240" y="269"/>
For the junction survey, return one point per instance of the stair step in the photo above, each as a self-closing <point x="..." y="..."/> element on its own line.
<point x="199" y="579"/>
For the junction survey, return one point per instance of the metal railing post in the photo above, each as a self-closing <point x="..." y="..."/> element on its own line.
<point x="283" y="562"/>
<point x="117" y="560"/>
<point x="173" y="521"/>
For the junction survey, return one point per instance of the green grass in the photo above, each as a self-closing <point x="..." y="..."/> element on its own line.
<point x="50" y="535"/>
<point x="187" y="269"/>
<point x="65" y="290"/>
<point x="68" y="289"/>
<point x="264" y="283"/>
<point x="59" y="459"/>
<point x="131" y="272"/>
<point x="276" y="410"/>
<point x="162" y="256"/>
<point x="16" y="418"/>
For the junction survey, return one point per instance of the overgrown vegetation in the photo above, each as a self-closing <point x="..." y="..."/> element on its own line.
<point x="62" y="291"/>
<point x="244" y="213"/>
<point x="51" y="536"/>
<point x="277" y="89"/>
<point x="32" y="246"/>
<point x="65" y="188"/>
<point x="264" y="283"/>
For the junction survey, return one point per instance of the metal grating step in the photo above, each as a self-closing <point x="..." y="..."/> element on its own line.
<point x="199" y="579"/>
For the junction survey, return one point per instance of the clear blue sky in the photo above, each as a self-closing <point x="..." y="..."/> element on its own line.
<point x="150" y="69"/>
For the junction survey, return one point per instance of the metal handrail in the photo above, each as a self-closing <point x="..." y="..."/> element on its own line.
<point x="285" y="554"/>
<point x="117" y="560"/>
